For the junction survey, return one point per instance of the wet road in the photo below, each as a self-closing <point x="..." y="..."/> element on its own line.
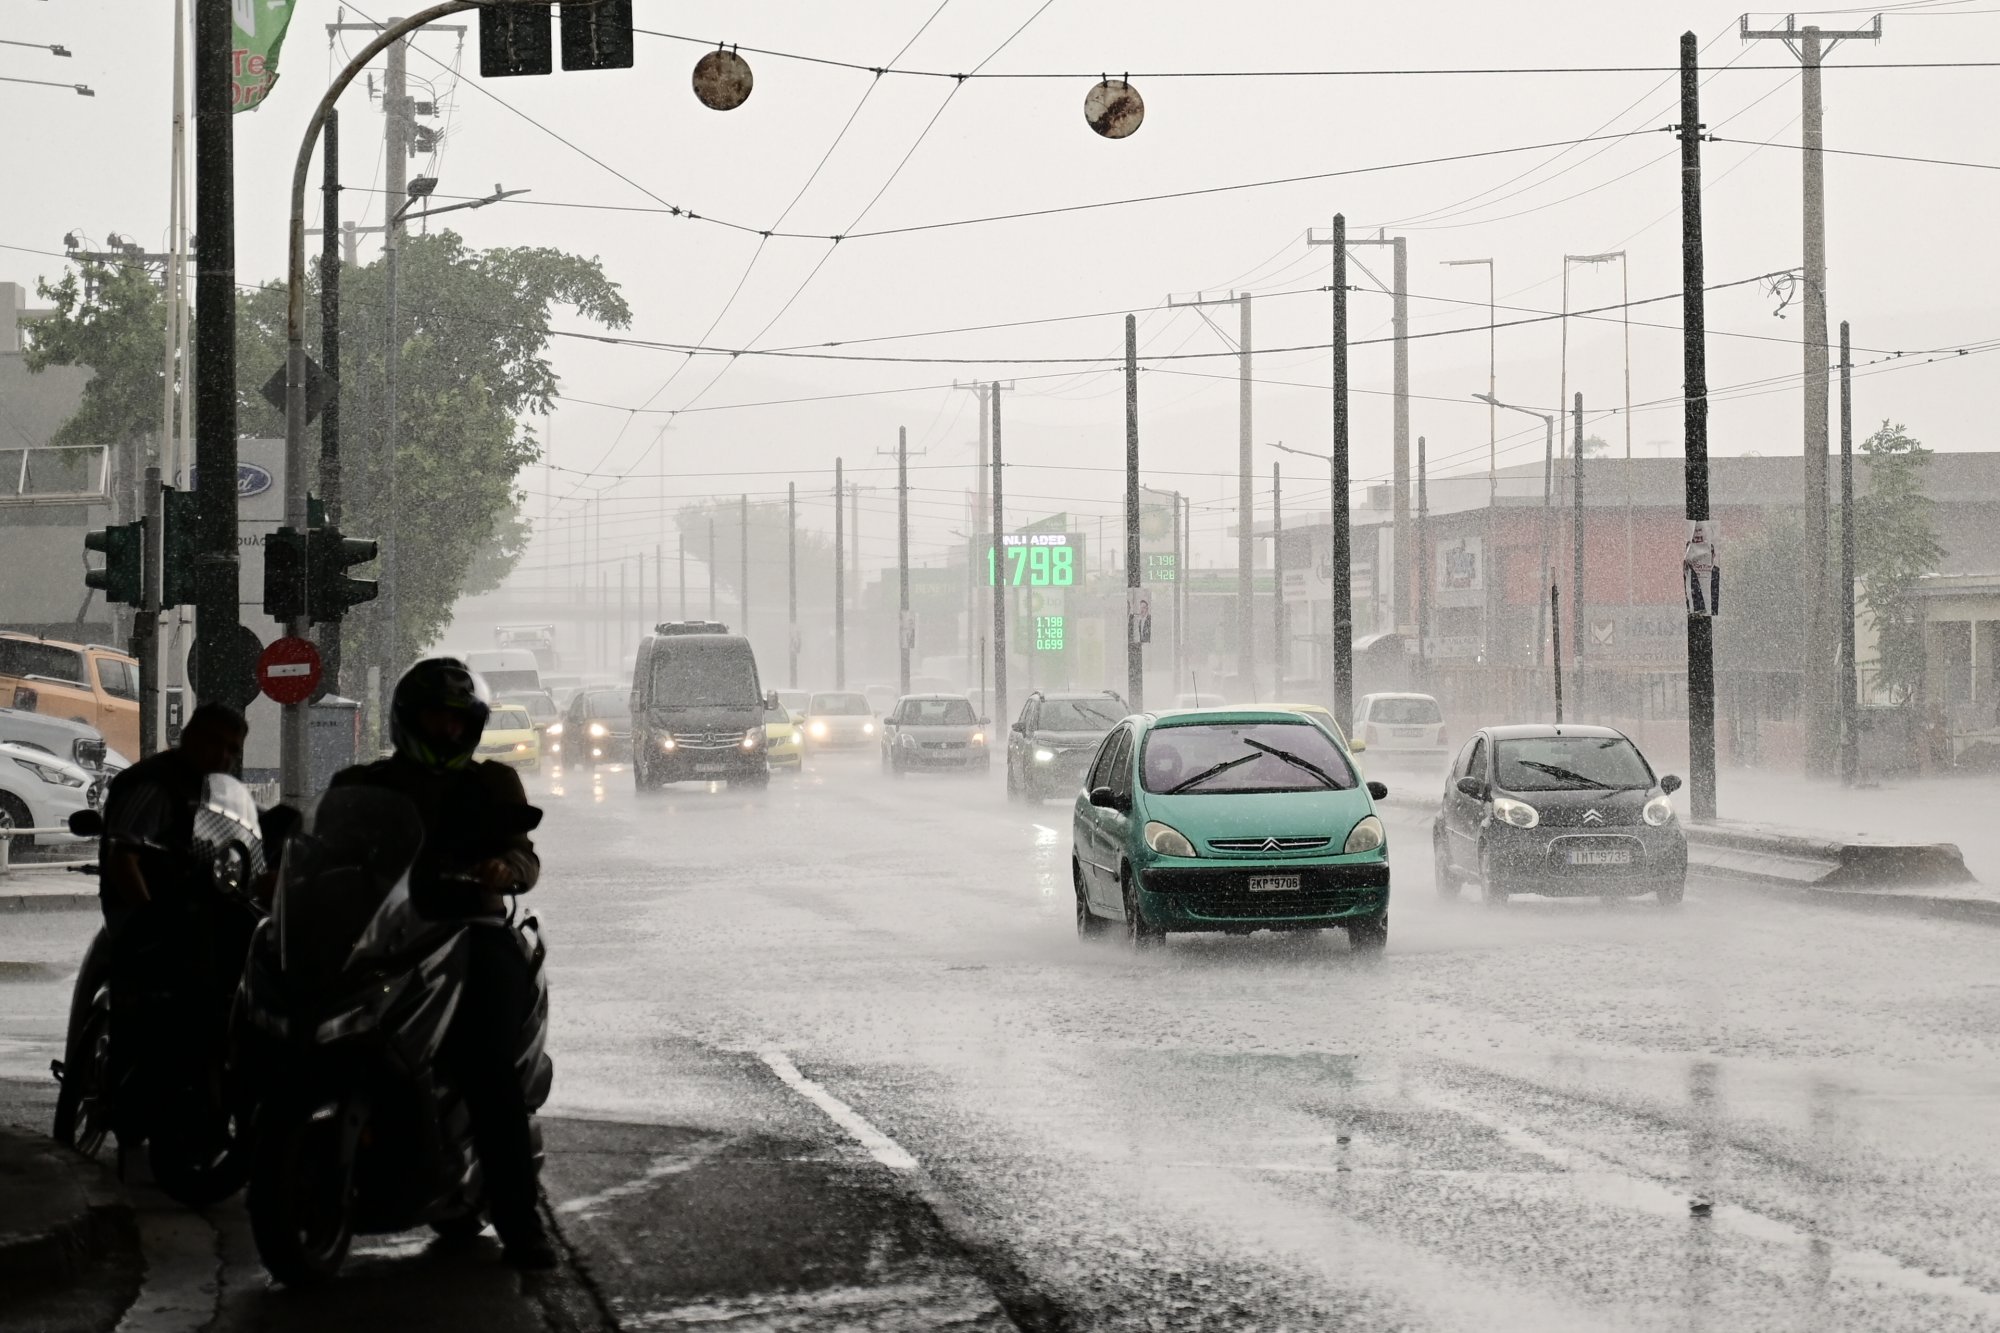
<point x="864" y="995"/>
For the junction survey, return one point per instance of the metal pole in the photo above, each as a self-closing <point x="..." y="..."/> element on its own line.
<point x="903" y="626"/>
<point x="1694" y="317"/>
<point x="1246" y="655"/>
<point x="146" y="626"/>
<point x="1548" y="534"/>
<point x="659" y="582"/>
<point x="743" y="561"/>
<point x="1576" y="534"/>
<point x="1422" y="563"/>
<point x="1556" y="645"/>
<point x="329" y="352"/>
<point x="1180" y="592"/>
<point x="1820" y="662"/>
<point x="395" y="181"/>
<point x="216" y="595"/>
<point x="999" y="598"/>
<point x="1135" y="652"/>
<point x="1850" y="744"/>
<point x="792" y="584"/>
<point x="1343" y="583"/>
<point x="1278" y="636"/>
<point x="839" y="584"/>
<point x="711" y="565"/>
<point x="1400" y="329"/>
<point x="681" y="568"/>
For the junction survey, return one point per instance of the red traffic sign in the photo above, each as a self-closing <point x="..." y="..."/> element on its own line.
<point x="289" y="670"/>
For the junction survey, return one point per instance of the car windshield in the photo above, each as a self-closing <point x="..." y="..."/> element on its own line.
<point x="510" y="719"/>
<point x="537" y="704"/>
<point x="610" y="704"/>
<point x="936" y="713"/>
<point x="1080" y="714"/>
<point x="1571" y="763"/>
<point x="777" y="717"/>
<point x="1243" y="757"/>
<point x="690" y="674"/>
<point x="840" y="705"/>
<point x="1419" y="712"/>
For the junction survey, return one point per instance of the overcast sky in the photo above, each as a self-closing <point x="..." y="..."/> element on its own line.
<point x="1910" y="263"/>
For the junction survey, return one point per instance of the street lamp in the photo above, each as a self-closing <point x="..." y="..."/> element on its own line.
<point x="1341" y="651"/>
<point x="1548" y="482"/>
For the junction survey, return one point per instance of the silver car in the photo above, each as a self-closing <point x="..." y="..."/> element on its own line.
<point x="934" y="731"/>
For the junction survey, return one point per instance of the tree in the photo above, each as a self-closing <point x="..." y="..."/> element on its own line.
<point x="1596" y="446"/>
<point x="1896" y="544"/>
<point x="474" y="329"/>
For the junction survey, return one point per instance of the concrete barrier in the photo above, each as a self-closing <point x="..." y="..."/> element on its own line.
<point x="1808" y="859"/>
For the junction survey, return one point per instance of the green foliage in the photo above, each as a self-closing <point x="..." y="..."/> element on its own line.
<point x="1763" y="626"/>
<point x="112" y="318"/>
<point x="1896" y="544"/>
<point x="474" y="329"/>
<point x="1596" y="446"/>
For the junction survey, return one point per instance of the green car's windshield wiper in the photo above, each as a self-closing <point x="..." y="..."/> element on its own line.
<point x="1558" y="771"/>
<point x="1213" y="771"/>
<point x="1295" y="761"/>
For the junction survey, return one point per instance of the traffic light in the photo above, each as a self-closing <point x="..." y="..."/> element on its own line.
<point x="122" y="578"/>
<point x="597" y="34"/>
<point x="514" y="39"/>
<point x="330" y="591"/>
<point x="285" y="575"/>
<point x="177" y="548"/>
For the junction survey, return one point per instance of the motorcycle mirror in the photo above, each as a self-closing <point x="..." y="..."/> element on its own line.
<point x="519" y="818"/>
<point x="86" y="824"/>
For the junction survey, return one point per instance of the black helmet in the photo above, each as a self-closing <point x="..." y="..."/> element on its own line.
<point x="438" y="682"/>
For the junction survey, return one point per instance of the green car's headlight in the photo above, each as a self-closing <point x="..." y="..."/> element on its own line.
<point x="1366" y="836"/>
<point x="1170" y="841"/>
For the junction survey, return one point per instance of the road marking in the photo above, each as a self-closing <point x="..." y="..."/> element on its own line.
<point x="659" y="1169"/>
<point x="879" y="1145"/>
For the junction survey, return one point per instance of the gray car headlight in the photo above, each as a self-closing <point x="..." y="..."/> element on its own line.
<point x="907" y="741"/>
<point x="51" y="774"/>
<point x="1518" y="813"/>
<point x="1659" y="811"/>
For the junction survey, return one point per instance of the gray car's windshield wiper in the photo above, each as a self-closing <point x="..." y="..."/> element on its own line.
<point x="1213" y="771"/>
<point x="1295" y="761"/>
<point x="1570" y="774"/>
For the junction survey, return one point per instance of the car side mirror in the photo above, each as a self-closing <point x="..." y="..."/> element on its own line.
<point x="1670" y="784"/>
<point x="1473" y="787"/>
<point x="985" y="721"/>
<point x="1379" y="790"/>
<point x="1019" y="725"/>
<point x="770" y="698"/>
<point x="86" y="824"/>
<point x="1104" y="798"/>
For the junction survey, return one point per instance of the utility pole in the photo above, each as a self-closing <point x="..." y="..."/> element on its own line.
<point x="1399" y="294"/>
<point x="1135" y="651"/>
<point x="395" y="182"/>
<point x="792" y="584"/>
<point x="905" y="631"/>
<point x="1341" y="556"/>
<point x="681" y="568"/>
<point x="1423" y="564"/>
<point x="981" y="539"/>
<point x="1811" y="44"/>
<point x="1694" y="348"/>
<point x="329" y="351"/>
<point x="854" y="542"/>
<point x="1180" y="589"/>
<point x="1245" y="498"/>
<point x="1850" y="743"/>
<point x="711" y="564"/>
<point x="1277" y="585"/>
<point x="999" y="594"/>
<point x="743" y="561"/>
<point x="217" y="594"/>
<point x="1576" y="551"/>
<point x="839" y="586"/>
<point x="1556" y="644"/>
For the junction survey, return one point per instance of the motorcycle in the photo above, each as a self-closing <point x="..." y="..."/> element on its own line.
<point x="158" y="1069"/>
<point x="346" y="1000"/>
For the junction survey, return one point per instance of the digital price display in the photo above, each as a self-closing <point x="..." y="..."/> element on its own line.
<point x="1035" y="560"/>
<point x="1049" y="634"/>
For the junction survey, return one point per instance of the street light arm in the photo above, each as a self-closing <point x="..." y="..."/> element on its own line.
<point x="1302" y="453"/>
<point x="497" y="196"/>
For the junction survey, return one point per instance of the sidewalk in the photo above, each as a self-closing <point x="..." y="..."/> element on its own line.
<point x="1937" y="809"/>
<point x="27" y="887"/>
<point x="68" y="1242"/>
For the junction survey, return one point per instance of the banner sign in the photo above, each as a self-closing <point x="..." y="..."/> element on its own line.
<point x="260" y="31"/>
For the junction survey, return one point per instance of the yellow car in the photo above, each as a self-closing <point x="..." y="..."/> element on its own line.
<point x="510" y="737"/>
<point x="784" y="739"/>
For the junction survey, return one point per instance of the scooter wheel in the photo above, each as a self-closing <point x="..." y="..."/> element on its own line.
<point x="197" y="1176"/>
<point x="299" y="1193"/>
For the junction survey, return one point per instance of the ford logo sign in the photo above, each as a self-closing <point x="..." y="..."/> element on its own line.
<point x="250" y="480"/>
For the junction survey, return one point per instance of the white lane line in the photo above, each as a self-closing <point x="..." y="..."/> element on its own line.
<point x="659" y="1169"/>
<point x="879" y="1145"/>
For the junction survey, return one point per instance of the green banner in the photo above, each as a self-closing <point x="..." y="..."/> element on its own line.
<point x="260" y="31"/>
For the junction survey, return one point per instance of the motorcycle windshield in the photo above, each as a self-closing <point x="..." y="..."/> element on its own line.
<point x="349" y="859"/>
<point x="226" y="833"/>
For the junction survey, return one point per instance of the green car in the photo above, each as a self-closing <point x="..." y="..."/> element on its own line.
<point x="1234" y="820"/>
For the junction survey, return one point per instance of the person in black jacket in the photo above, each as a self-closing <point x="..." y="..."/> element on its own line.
<point x="473" y="855"/>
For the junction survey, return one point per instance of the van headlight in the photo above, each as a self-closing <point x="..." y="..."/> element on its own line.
<point x="666" y="742"/>
<point x="1518" y="813"/>
<point x="1170" y="841"/>
<point x="1366" y="835"/>
<point x="753" y="738"/>
<point x="1659" y="811"/>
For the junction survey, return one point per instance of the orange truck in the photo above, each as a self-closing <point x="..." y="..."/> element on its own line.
<point x="83" y="682"/>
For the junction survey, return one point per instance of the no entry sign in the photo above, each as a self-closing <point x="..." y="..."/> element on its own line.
<point x="289" y="670"/>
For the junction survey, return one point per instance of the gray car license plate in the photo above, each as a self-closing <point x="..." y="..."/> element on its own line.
<point x="1274" y="884"/>
<point x="711" y="768"/>
<point x="1600" y="856"/>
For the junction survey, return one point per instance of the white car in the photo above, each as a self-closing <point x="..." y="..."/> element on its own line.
<point x="840" y="719"/>
<point x="1405" y="727"/>
<point x="39" y="790"/>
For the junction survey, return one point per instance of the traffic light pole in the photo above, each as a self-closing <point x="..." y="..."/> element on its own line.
<point x="217" y="595"/>
<point x="146" y="627"/>
<point x="292" y="738"/>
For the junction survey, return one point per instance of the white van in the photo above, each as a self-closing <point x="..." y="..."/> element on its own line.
<point x="506" y="670"/>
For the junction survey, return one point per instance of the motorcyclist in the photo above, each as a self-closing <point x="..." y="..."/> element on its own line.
<point x="149" y="813"/>
<point x="470" y="860"/>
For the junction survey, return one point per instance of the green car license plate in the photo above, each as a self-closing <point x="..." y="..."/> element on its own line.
<point x="1600" y="856"/>
<point x="1274" y="884"/>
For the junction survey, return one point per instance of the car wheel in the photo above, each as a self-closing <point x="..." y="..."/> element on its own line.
<point x="14" y="814"/>
<point x="1089" y="925"/>
<point x="1490" y="884"/>
<point x="1671" y="893"/>
<point x="1446" y="877"/>
<point x="1369" y="935"/>
<point x="1140" y="933"/>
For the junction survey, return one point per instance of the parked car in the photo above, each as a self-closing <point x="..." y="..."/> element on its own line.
<point x="698" y="709"/>
<point x="840" y="720"/>
<point x="1051" y="743"/>
<point x="784" y="739"/>
<point x="1561" y="810"/>
<point x="42" y="790"/>
<point x="83" y="682"/>
<point x="511" y="738"/>
<point x="1228" y="820"/>
<point x="934" y="731"/>
<point x="82" y="745"/>
<point x="1401" y="728"/>
<point x="598" y="728"/>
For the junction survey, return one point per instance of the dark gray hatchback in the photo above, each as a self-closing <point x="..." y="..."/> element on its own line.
<point x="1567" y="811"/>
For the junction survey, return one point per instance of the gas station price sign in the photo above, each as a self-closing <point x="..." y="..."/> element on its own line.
<point x="1035" y="560"/>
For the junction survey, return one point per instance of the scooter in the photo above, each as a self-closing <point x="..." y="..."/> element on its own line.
<point x="172" y="1089"/>
<point x="346" y="1000"/>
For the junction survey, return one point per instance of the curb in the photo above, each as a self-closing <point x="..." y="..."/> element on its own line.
<point x="1944" y="907"/>
<point x="61" y="1252"/>
<point x="48" y="902"/>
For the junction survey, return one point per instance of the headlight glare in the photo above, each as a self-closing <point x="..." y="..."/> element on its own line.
<point x="1659" y="811"/>
<point x="598" y="729"/>
<point x="1518" y="813"/>
<point x="1366" y="836"/>
<point x="819" y="729"/>
<point x="979" y="738"/>
<point x="1168" y="840"/>
<point x="868" y="728"/>
<point x="752" y="738"/>
<point x="666" y="742"/>
<point x="555" y="728"/>
<point x="1045" y="756"/>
